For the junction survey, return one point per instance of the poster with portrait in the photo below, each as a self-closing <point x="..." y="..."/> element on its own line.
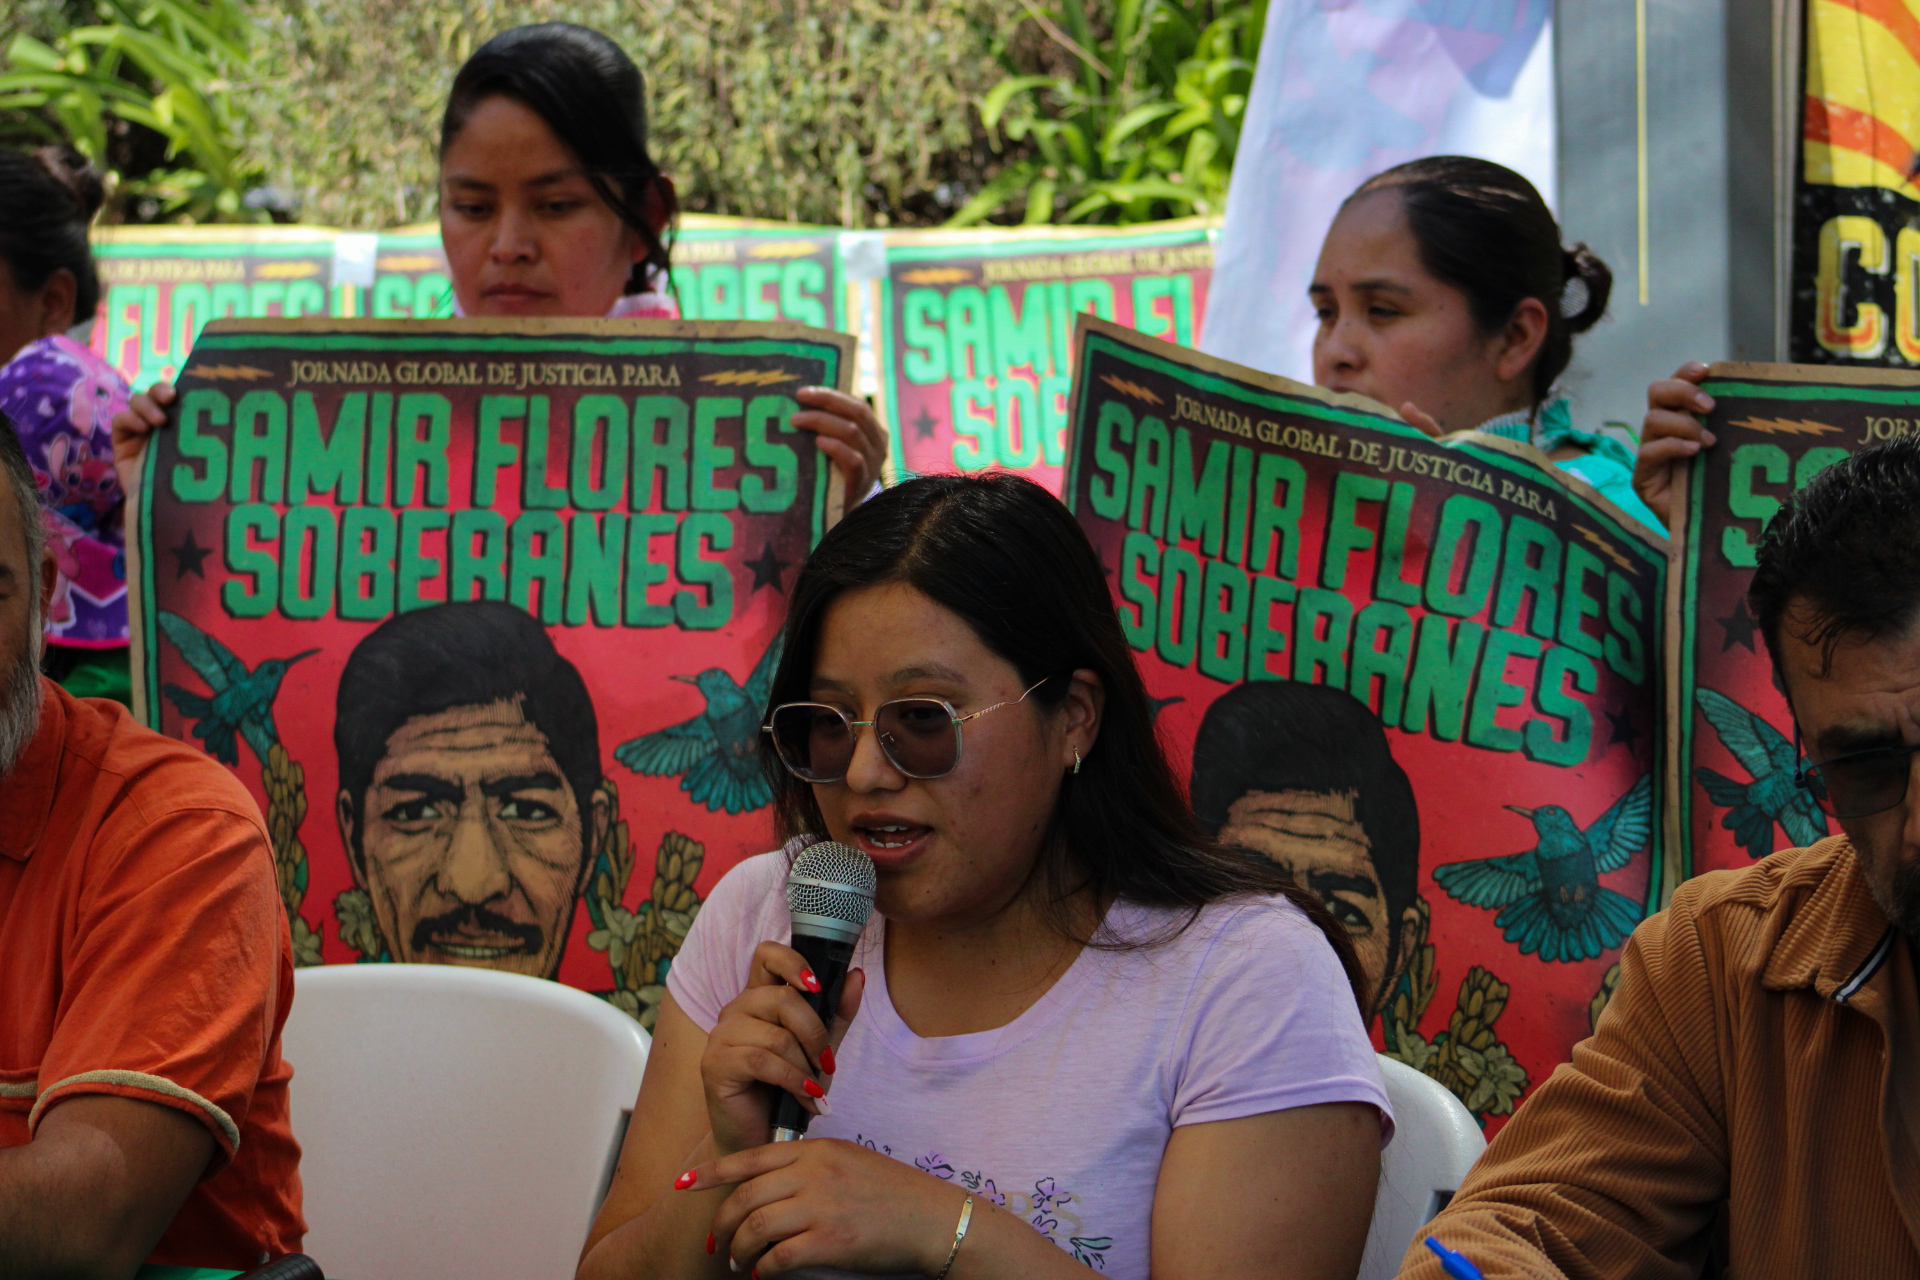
<point x="977" y="332"/>
<point x="161" y="285"/>
<point x="1736" y="756"/>
<point x="484" y="614"/>
<point x="1422" y="675"/>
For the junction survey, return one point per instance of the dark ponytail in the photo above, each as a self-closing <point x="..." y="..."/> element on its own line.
<point x="1484" y="229"/>
<point x="592" y="95"/>
<point x="1013" y="563"/>
<point x="47" y="202"/>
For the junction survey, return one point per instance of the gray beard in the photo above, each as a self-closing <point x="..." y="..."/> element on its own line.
<point x="20" y="704"/>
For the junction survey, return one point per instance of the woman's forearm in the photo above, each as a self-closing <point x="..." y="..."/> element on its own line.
<point x="666" y="1242"/>
<point x="1003" y="1246"/>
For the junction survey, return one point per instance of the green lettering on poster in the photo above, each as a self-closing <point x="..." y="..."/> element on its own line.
<point x="701" y="530"/>
<point x="477" y="556"/>
<point x="369" y="537"/>
<point x="1493" y="691"/>
<point x="328" y="464"/>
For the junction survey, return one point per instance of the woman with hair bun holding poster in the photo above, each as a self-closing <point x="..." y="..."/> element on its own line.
<point x="1080" y="1034"/>
<point x="1443" y="290"/>
<point x="551" y="205"/>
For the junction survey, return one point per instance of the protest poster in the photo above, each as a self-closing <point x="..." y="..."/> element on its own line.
<point x="160" y="285"/>
<point x="1420" y="674"/>
<point x="484" y="613"/>
<point x="977" y="332"/>
<point x="1856" y="216"/>
<point x="1778" y="426"/>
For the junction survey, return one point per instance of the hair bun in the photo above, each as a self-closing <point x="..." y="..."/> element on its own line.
<point x="77" y="176"/>
<point x="1589" y="284"/>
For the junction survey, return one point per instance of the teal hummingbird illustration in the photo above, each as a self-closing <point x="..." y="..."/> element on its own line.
<point x="1550" y="897"/>
<point x="1753" y="808"/>
<point x="241" y="702"/>
<point x="718" y="751"/>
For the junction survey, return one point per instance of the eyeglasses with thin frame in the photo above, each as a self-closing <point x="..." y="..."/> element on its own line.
<point x="1858" y="784"/>
<point x="919" y="736"/>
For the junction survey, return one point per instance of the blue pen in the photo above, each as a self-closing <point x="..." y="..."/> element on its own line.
<point x="1454" y="1264"/>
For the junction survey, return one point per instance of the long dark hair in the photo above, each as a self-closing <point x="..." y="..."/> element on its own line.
<point x="592" y="95"/>
<point x="1011" y="561"/>
<point x="47" y="200"/>
<point x="1484" y="229"/>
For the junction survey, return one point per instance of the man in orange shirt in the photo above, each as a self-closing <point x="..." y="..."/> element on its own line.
<point x="145" y="972"/>
<point x="1759" y="1063"/>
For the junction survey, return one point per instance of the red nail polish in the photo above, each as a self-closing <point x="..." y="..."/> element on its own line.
<point x="684" y="1181"/>
<point x="808" y="981"/>
<point x="826" y="1060"/>
<point x="814" y="1090"/>
<point x="709" y="1242"/>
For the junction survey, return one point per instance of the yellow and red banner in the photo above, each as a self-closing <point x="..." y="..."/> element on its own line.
<point x="1857" y="217"/>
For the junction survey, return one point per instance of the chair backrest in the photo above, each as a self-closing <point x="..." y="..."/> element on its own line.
<point x="1435" y="1141"/>
<point x="455" y="1123"/>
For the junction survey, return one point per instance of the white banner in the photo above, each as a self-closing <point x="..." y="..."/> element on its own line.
<point x="1345" y="89"/>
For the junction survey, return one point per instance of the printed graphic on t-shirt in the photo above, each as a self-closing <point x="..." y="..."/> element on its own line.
<point x="1045" y="1207"/>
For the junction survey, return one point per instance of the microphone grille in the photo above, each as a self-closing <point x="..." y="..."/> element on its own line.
<point x="832" y="880"/>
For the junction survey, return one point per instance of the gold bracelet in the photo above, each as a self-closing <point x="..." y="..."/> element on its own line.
<point x="959" y="1234"/>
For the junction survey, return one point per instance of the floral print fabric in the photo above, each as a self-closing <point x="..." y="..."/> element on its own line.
<point x="61" y="398"/>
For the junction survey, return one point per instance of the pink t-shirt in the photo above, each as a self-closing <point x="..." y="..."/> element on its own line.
<point x="1062" y="1115"/>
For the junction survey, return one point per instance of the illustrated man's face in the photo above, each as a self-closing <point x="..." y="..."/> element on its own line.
<point x="1315" y="836"/>
<point x="475" y="848"/>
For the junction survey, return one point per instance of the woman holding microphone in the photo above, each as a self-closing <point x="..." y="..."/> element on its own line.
<point x="550" y="205"/>
<point x="1079" y="1033"/>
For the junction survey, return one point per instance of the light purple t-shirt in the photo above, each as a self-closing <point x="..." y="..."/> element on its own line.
<point x="1063" y="1115"/>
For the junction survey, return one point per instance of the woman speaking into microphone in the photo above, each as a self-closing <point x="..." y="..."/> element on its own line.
<point x="1078" y="1032"/>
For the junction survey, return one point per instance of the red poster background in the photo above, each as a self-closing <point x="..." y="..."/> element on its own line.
<point x="190" y="567"/>
<point x="1777" y="427"/>
<point x="1471" y="1007"/>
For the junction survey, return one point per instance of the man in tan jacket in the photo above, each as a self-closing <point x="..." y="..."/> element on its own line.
<point x="1758" y="1071"/>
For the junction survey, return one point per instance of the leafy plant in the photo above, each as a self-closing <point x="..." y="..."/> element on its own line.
<point x="849" y="112"/>
<point x="165" y="66"/>
<point x="1140" y="120"/>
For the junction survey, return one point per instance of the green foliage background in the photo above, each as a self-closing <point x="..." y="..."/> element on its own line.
<point x="858" y="113"/>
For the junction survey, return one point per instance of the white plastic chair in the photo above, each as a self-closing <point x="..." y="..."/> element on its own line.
<point x="1435" y="1141"/>
<point x="455" y="1124"/>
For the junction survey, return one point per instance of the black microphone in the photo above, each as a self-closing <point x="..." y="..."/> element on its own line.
<point x="830" y="893"/>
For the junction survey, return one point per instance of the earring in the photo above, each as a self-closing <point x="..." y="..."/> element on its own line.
<point x="1076" y="760"/>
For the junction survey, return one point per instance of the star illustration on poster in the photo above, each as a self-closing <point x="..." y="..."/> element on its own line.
<point x="1623" y="728"/>
<point x="926" y="424"/>
<point x="189" y="557"/>
<point x="767" y="570"/>
<point x="1739" y="626"/>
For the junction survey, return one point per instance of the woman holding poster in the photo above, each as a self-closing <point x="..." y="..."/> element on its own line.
<point x="60" y="398"/>
<point x="1112" y="1042"/>
<point x="1443" y="290"/>
<point x="550" y="205"/>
